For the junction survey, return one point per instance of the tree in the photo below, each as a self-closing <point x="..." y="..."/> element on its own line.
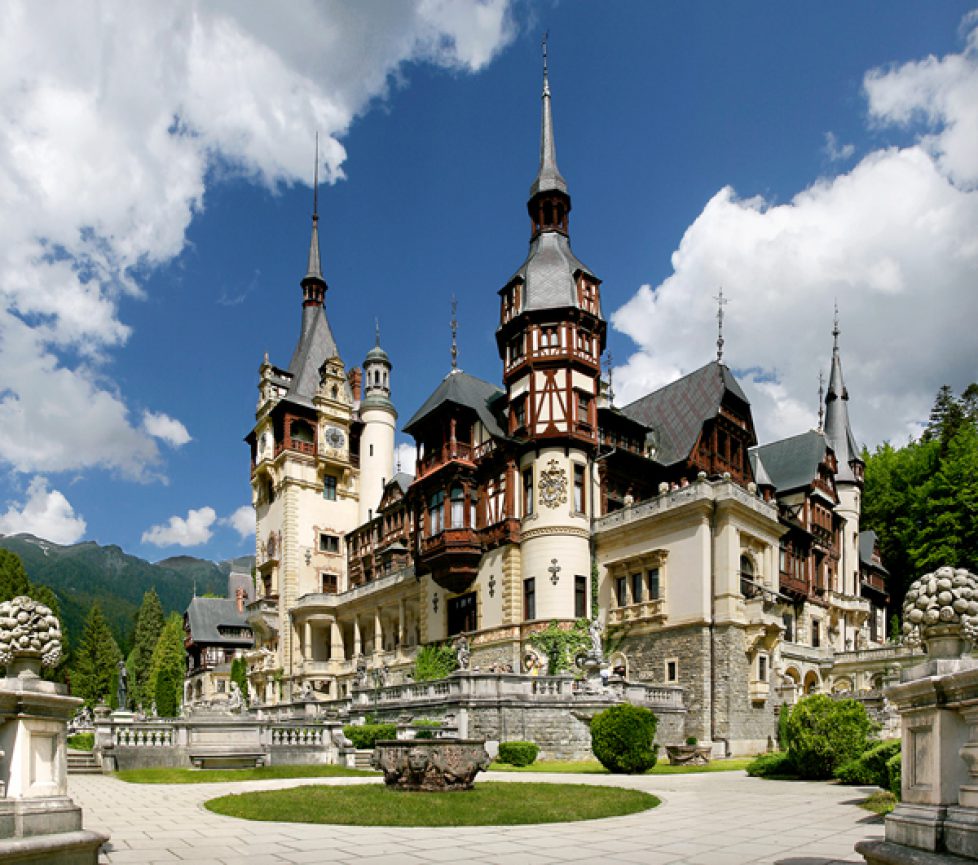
<point x="167" y="666"/>
<point x="149" y="626"/>
<point x="95" y="661"/>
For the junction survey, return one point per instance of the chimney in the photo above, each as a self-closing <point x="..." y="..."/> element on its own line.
<point x="239" y="597"/>
<point x="355" y="377"/>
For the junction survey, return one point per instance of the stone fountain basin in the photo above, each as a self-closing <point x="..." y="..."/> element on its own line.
<point x="430" y="765"/>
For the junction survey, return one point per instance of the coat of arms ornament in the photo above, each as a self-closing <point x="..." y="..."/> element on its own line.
<point x="553" y="485"/>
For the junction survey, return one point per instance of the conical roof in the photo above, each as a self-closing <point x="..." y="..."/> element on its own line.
<point x="838" y="432"/>
<point x="548" y="177"/>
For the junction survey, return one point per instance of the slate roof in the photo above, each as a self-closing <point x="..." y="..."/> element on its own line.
<point x="678" y="411"/>
<point x="205" y="615"/>
<point x="316" y="346"/>
<point x="838" y="432"/>
<point x="548" y="274"/>
<point x="867" y="544"/>
<point x="548" y="177"/>
<point x="403" y="481"/>
<point x="791" y="463"/>
<point x="461" y="389"/>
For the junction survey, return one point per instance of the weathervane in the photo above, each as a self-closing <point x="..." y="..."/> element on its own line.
<point x="721" y="303"/>
<point x="377" y="330"/>
<point x="821" y="400"/>
<point x="454" y="334"/>
<point x="835" y="326"/>
<point x="543" y="45"/>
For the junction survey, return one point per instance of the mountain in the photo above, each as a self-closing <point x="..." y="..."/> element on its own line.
<point x="81" y="574"/>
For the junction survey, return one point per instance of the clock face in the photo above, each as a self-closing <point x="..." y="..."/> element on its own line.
<point x="335" y="437"/>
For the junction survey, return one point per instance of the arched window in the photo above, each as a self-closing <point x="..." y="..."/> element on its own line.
<point x="747" y="586"/>
<point x="458" y="503"/>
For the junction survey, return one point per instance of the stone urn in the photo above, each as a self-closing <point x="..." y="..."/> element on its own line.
<point x="941" y="611"/>
<point x="688" y="755"/>
<point x="431" y="765"/>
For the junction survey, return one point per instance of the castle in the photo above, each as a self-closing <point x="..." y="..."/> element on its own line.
<point x="733" y="570"/>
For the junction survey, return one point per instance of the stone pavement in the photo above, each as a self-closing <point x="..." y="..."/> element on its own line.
<point x="709" y="819"/>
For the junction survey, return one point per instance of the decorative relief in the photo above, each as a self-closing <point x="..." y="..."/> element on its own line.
<point x="29" y="630"/>
<point x="553" y="485"/>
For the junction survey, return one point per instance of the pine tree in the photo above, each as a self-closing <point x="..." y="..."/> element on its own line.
<point x="95" y="661"/>
<point x="149" y="626"/>
<point x="167" y="667"/>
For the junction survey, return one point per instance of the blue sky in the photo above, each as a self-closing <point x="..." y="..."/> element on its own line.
<point x="156" y="168"/>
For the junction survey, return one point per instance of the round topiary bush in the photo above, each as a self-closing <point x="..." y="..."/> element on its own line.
<point x="518" y="753"/>
<point x="622" y="738"/>
<point x="824" y="733"/>
<point x="366" y="735"/>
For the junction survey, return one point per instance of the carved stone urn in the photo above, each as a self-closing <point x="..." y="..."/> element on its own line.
<point x="430" y="765"/>
<point x="941" y="610"/>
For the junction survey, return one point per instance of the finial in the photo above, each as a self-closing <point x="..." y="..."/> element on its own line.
<point x="611" y="379"/>
<point x="315" y="182"/>
<point x="454" y="334"/>
<point x="721" y="303"/>
<point x="835" y="327"/>
<point x="398" y="454"/>
<point x="543" y="45"/>
<point x="377" y="329"/>
<point x="821" y="400"/>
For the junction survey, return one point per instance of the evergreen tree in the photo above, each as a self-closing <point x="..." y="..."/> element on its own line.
<point x="95" y="661"/>
<point x="167" y="667"/>
<point x="149" y="626"/>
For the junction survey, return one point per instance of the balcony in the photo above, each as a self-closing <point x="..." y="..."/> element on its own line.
<point x="504" y="532"/>
<point x="449" y="452"/>
<point x="848" y="603"/>
<point x="875" y="582"/>
<point x="263" y="616"/>
<point x="452" y="557"/>
<point x="644" y="611"/>
<point x="795" y="586"/>
<point x="758" y="691"/>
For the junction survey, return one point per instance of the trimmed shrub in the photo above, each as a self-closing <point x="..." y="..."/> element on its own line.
<point x="518" y="753"/>
<point x="366" y="735"/>
<point x="82" y="741"/>
<point x="691" y="741"/>
<point x="870" y="767"/>
<point x="894" y="771"/>
<point x="824" y="733"/>
<point x="622" y="738"/>
<point x="424" y="728"/>
<point x="776" y="765"/>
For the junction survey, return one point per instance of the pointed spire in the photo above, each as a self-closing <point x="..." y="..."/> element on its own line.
<point x="548" y="177"/>
<point x="314" y="270"/>
<point x="838" y="433"/>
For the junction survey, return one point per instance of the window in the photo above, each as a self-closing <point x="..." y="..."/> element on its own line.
<point x="578" y="488"/>
<point x="371" y="450"/>
<point x="519" y="409"/>
<point x="461" y="614"/>
<point x="762" y="668"/>
<point x="435" y="512"/>
<point x="330" y="584"/>
<point x="527" y="492"/>
<point x="329" y="543"/>
<point x="458" y="507"/>
<point x="300" y="431"/>
<point x="747" y="587"/>
<point x="637" y="588"/>
<point x="583" y="408"/>
<point x="580" y="597"/>
<point x="654" y="585"/>
<point x="329" y="488"/>
<point x="816" y="633"/>
<point x="621" y="594"/>
<point x="221" y="684"/>
<point x="672" y="670"/>
<point x="789" y="628"/>
<point x="516" y="349"/>
<point x="529" y="599"/>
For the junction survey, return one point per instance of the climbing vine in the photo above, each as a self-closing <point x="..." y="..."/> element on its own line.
<point x="561" y="645"/>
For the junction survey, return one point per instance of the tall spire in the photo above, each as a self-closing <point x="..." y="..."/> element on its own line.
<point x="548" y="178"/>
<point x="838" y="432"/>
<point x="313" y="284"/>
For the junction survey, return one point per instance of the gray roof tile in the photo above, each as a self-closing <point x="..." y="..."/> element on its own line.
<point x="461" y="389"/>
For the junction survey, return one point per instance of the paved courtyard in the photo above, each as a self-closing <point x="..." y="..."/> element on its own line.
<point x="708" y="819"/>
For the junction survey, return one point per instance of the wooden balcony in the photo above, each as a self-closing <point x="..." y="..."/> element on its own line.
<point x="875" y="582"/>
<point x="793" y="586"/>
<point x="447" y="453"/>
<point x="504" y="532"/>
<point x="451" y="557"/>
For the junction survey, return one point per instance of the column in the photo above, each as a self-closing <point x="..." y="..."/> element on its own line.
<point x="337" y="651"/>
<point x="357" y="642"/>
<point x="378" y="633"/>
<point x="400" y="624"/>
<point x="307" y="642"/>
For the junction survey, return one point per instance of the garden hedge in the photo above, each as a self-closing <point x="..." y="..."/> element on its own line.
<point x="518" y="753"/>
<point x="366" y="735"/>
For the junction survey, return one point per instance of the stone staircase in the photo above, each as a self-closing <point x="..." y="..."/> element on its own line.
<point x="361" y="759"/>
<point x="83" y="763"/>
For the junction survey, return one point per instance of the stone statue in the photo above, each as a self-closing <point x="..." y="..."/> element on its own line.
<point x="594" y="630"/>
<point x="235" y="700"/>
<point x="308" y="694"/>
<point x="122" y="691"/>
<point x="360" y="676"/>
<point x="462" y="653"/>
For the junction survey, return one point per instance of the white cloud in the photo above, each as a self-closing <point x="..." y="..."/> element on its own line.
<point x="106" y="107"/>
<point x="894" y="241"/>
<point x="837" y="152"/>
<point x="164" y="427"/>
<point x="242" y="521"/>
<point x="406" y="456"/>
<point x="45" y="513"/>
<point x="191" y="531"/>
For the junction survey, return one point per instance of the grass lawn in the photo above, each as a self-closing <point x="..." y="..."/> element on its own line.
<point x="210" y="776"/>
<point x="880" y="803"/>
<point x="593" y="767"/>
<point x="489" y="804"/>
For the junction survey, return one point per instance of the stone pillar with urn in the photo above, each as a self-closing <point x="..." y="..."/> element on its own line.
<point x="38" y="822"/>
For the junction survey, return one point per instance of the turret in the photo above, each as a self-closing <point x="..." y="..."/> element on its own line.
<point x="379" y="424"/>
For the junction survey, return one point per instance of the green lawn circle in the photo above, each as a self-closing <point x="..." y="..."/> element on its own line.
<point x="488" y="804"/>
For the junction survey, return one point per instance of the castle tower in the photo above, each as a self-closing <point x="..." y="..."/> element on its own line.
<point x="849" y="477"/>
<point x="550" y="339"/>
<point x="379" y="424"/>
<point x="304" y="487"/>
